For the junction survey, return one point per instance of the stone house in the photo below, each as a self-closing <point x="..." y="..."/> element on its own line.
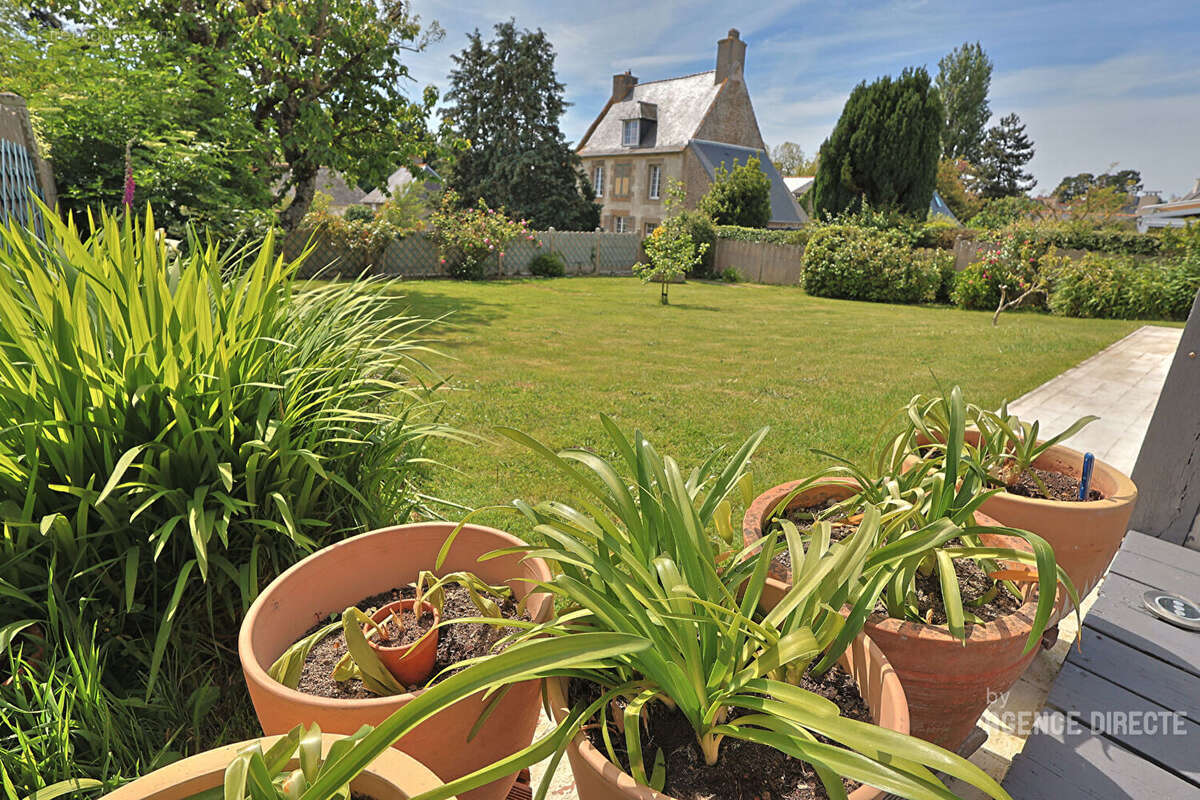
<point x="677" y="129"/>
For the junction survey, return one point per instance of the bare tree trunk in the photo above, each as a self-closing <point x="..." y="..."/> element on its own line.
<point x="305" y="184"/>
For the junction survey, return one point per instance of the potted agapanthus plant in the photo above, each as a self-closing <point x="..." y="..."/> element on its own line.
<point x="960" y="616"/>
<point x="739" y="694"/>
<point x="306" y="765"/>
<point x="1039" y="481"/>
<point x="302" y="668"/>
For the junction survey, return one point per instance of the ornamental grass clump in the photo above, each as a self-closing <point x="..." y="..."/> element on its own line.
<point x="179" y="426"/>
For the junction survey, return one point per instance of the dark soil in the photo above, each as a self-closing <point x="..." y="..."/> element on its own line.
<point x="745" y="771"/>
<point x="392" y="636"/>
<point x="973" y="583"/>
<point x="1061" y="486"/>
<point x="804" y="517"/>
<point x="455" y="642"/>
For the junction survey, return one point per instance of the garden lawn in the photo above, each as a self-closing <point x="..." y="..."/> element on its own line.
<point x="549" y="356"/>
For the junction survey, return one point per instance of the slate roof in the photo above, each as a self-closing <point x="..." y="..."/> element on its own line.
<point x="682" y="105"/>
<point x="938" y="207"/>
<point x="799" y="184"/>
<point x="342" y="194"/>
<point x="784" y="209"/>
<point x="398" y="181"/>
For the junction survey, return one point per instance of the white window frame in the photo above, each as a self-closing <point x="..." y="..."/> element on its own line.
<point x="598" y="180"/>
<point x="655" y="181"/>
<point x="631" y="126"/>
<point x="620" y="224"/>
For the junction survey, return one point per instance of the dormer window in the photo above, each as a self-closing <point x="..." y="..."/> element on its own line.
<point x="631" y="132"/>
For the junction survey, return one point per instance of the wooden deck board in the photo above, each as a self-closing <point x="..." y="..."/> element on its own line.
<point x="1140" y="673"/>
<point x="1053" y="767"/>
<point x="1108" y="709"/>
<point x="1132" y="662"/>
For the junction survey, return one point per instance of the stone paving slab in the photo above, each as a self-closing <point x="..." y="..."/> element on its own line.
<point x="1120" y="384"/>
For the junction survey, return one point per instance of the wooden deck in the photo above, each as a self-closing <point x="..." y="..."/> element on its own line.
<point x="1133" y="672"/>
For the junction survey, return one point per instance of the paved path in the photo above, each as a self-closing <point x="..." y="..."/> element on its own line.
<point x="1120" y="384"/>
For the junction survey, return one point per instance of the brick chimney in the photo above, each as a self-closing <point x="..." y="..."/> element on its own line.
<point x="623" y="84"/>
<point x="731" y="57"/>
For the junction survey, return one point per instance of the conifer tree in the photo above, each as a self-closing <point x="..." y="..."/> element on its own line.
<point x="505" y="104"/>
<point x="884" y="148"/>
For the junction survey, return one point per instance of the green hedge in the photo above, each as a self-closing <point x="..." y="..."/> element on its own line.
<point x="763" y="235"/>
<point x="853" y="263"/>
<point x="1115" y="287"/>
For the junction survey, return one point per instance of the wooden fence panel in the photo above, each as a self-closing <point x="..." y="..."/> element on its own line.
<point x="417" y="256"/>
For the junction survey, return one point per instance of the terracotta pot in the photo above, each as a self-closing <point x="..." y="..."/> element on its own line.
<point x="391" y="776"/>
<point x="946" y="682"/>
<point x="1085" y="535"/>
<point x="597" y="778"/>
<point x="411" y="663"/>
<point x="762" y="508"/>
<point x="342" y="574"/>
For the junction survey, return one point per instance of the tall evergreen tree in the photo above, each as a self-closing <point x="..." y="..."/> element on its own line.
<point x="884" y="148"/>
<point x="506" y="103"/>
<point x="1005" y="152"/>
<point x="963" y="79"/>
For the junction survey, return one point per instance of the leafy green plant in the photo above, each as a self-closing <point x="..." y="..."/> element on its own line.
<point x="548" y="265"/>
<point x="185" y="425"/>
<point x="853" y="262"/>
<point x="739" y="196"/>
<point x="639" y="557"/>
<point x="934" y="501"/>
<point x="360" y="661"/>
<point x="255" y="774"/>
<point x="1009" y="446"/>
<point x="732" y="275"/>
<point x="671" y="250"/>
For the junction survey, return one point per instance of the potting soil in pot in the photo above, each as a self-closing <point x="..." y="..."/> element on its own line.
<point x="1061" y="486"/>
<point x="744" y="771"/>
<point x="803" y="518"/>
<point x="973" y="583"/>
<point x="455" y="642"/>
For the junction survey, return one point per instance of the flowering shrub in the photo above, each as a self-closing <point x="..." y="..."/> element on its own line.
<point x="1008" y="261"/>
<point x="857" y="263"/>
<point x="361" y="230"/>
<point x="672" y="252"/>
<point x="467" y="237"/>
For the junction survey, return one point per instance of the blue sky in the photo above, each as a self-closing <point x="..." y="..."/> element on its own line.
<point x="1095" y="82"/>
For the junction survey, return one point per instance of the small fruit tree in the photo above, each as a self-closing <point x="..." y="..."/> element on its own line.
<point x="671" y="249"/>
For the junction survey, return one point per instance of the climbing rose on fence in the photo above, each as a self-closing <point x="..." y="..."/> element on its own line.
<point x="467" y="237"/>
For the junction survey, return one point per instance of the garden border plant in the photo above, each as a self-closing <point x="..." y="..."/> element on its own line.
<point x="190" y="423"/>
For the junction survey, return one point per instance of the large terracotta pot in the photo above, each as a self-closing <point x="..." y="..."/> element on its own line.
<point x="340" y="575"/>
<point x="391" y="776"/>
<point x="764" y="506"/>
<point x="597" y="778"/>
<point x="1085" y="535"/>
<point x="946" y="682"/>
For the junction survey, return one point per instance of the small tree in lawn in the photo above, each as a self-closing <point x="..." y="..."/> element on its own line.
<point x="739" y="196"/>
<point x="671" y="249"/>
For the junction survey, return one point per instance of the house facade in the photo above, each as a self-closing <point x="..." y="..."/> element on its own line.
<point x="680" y="129"/>
<point x="1175" y="214"/>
